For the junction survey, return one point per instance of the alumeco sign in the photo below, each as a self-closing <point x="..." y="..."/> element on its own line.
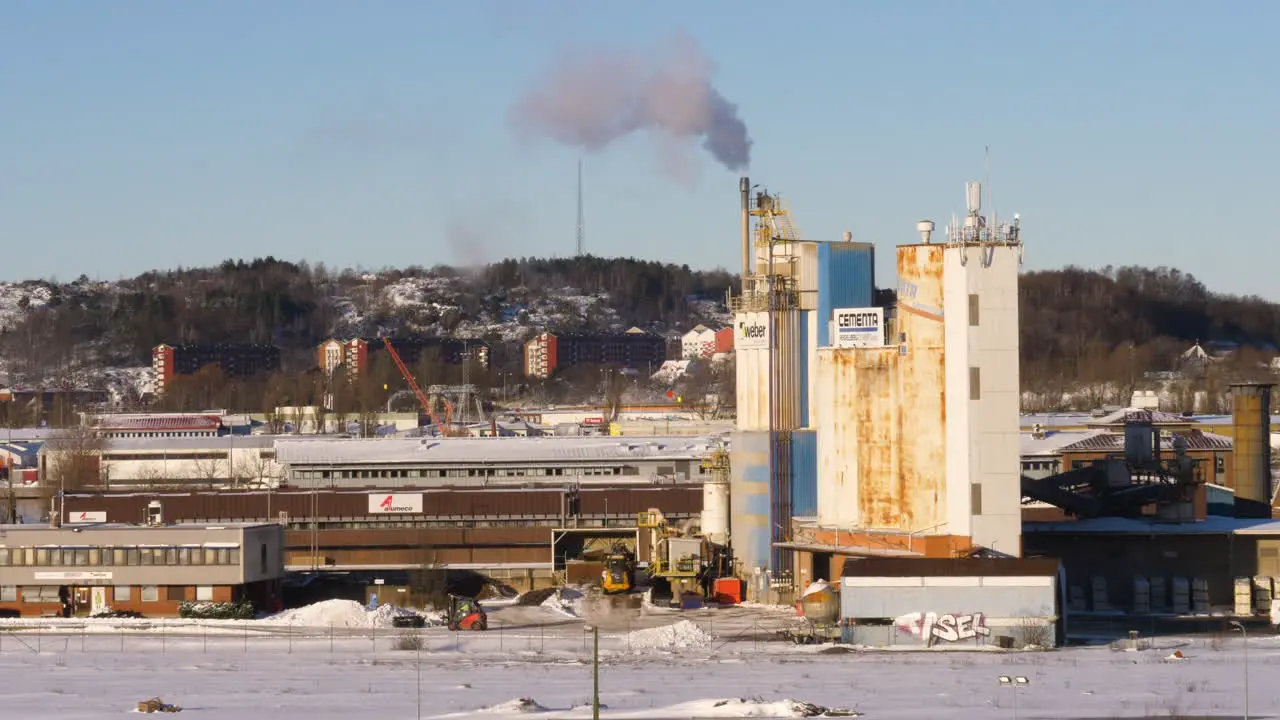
<point x="751" y="330"/>
<point x="88" y="516"/>
<point x="383" y="503"/>
<point x="858" y="327"/>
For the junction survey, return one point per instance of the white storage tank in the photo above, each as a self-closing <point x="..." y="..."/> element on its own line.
<point x="715" y="512"/>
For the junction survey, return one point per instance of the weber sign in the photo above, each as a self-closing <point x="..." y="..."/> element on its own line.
<point x="858" y="328"/>
<point x="384" y="504"/>
<point x="751" y="331"/>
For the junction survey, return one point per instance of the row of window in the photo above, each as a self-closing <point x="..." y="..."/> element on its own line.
<point x="179" y="455"/>
<point x="119" y="594"/>
<point x="117" y="556"/>
<point x="465" y="472"/>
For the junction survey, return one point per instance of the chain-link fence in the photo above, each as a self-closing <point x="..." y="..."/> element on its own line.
<point x="705" y="632"/>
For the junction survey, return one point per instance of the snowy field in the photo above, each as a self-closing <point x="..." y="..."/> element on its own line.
<point x="338" y="661"/>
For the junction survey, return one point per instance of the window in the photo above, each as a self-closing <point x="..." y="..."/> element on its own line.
<point x="975" y="498"/>
<point x="4" y="556"/>
<point x="975" y="383"/>
<point x="263" y="559"/>
<point x="1219" y="465"/>
<point x="8" y="593"/>
<point x="150" y="593"/>
<point x="973" y="310"/>
<point x="204" y="593"/>
<point x="175" y="593"/>
<point x="122" y="593"/>
<point x="40" y="594"/>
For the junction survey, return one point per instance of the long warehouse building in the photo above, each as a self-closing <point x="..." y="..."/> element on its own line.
<point x="515" y="509"/>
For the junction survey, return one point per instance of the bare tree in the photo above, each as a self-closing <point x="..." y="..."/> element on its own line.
<point x="150" y="476"/>
<point x="256" y="470"/>
<point x="74" y="459"/>
<point x="209" y="469"/>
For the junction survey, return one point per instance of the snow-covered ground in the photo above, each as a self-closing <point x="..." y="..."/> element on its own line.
<point x="536" y="661"/>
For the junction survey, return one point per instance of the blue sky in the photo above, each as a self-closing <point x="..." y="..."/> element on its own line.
<point x="137" y="135"/>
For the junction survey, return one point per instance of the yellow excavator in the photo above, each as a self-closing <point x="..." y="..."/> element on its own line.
<point x="619" y="575"/>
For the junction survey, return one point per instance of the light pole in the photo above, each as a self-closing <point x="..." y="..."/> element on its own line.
<point x="1013" y="683"/>
<point x="1245" y="635"/>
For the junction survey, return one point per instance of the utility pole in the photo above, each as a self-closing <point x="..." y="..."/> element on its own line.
<point x="582" y="225"/>
<point x="595" y="672"/>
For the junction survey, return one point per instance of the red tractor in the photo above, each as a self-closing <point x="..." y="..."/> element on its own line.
<point x="466" y="614"/>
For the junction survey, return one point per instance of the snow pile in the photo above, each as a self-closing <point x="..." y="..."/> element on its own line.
<point x="385" y="616"/>
<point x="512" y="707"/>
<point x="740" y="708"/>
<point x="566" y="601"/>
<point x="727" y="708"/>
<point x="344" y="614"/>
<point x="683" y="634"/>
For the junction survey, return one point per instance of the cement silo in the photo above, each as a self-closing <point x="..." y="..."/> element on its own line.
<point x="921" y="437"/>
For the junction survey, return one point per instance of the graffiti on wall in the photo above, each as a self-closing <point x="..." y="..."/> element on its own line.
<point x="933" y="628"/>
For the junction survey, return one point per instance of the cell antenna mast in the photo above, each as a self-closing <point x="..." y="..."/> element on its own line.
<point x="582" y="225"/>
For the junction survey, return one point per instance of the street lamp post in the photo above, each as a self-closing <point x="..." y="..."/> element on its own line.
<point x="1245" y="635"/>
<point x="1013" y="683"/>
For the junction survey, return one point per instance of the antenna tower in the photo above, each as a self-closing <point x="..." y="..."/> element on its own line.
<point x="582" y="225"/>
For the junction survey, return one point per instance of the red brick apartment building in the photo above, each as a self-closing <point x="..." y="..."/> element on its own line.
<point x="547" y="353"/>
<point x="235" y="361"/>
<point x="357" y="353"/>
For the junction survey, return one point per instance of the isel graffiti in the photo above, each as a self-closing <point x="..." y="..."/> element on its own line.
<point x="950" y="627"/>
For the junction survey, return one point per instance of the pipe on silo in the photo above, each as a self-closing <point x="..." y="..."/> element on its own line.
<point x="1251" y="448"/>
<point x="744" y="188"/>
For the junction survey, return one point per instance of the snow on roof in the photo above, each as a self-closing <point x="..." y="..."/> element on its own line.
<point x="1212" y="525"/>
<point x="1052" y="420"/>
<point x="491" y="450"/>
<point x="1120" y="417"/>
<point x="1053" y="441"/>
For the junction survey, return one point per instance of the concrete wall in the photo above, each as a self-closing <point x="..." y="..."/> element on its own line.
<point x="980" y="288"/>
<point x="950" y="611"/>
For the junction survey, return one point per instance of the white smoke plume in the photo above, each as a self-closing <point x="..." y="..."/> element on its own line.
<point x="590" y="99"/>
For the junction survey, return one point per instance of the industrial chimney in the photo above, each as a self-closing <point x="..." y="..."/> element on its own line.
<point x="1251" y="448"/>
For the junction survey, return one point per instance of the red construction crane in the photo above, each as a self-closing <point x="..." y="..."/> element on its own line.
<point x="444" y="428"/>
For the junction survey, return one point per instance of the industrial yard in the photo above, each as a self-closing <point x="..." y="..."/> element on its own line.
<point x="654" y="664"/>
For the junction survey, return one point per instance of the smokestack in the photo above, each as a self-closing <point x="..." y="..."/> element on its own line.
<point x="744" y="188"/>
<point x="1251" y="448"/>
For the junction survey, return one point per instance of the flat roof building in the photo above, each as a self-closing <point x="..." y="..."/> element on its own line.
<point x="87" y="566"/>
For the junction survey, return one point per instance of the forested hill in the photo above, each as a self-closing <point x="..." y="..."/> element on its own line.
<point x="1095" y="325"/>
<point x="47" y="324"/>
<point x="1075" y="323"/>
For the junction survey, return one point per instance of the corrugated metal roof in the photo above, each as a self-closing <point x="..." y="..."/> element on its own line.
<point x="224" y="442"/>
<point x="1114" y="442"/>
<point x="491" y="450"/>
<point x="159" y="422"/>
